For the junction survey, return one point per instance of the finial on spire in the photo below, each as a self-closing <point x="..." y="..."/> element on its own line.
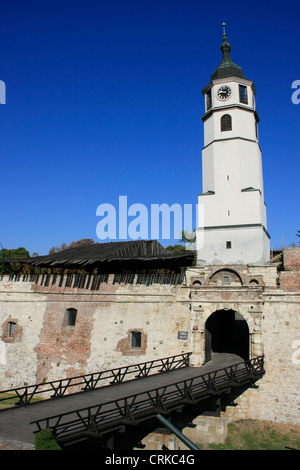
<point x="225" y="47"/>
<point x="224" y="24"/>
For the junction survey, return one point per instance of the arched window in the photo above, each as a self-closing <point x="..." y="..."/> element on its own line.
<point x="226" y="124"/>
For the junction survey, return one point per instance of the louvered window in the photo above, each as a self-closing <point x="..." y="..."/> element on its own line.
<point x="226" y="124"/>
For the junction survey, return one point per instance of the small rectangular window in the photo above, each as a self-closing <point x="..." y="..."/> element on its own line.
<point x="11" y="329"/>
<point x="136" y="340"/>
<point x="228" y="245"/>
<point x="226" y="280"/>
<point x="208" y="101"/>
<point x="243" y="94"/>
<point x="71" y="316"/>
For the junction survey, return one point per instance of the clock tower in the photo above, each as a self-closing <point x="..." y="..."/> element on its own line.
<point x="232" y="212"/>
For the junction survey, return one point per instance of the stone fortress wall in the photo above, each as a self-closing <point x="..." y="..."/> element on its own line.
<point x="171" y="320"/>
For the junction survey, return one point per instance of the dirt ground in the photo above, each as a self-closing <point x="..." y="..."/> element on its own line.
<point x="14" y="445"/>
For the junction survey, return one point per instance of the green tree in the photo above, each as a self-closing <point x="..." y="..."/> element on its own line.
<point x="298" y="235"/>
<point x="176" y="249"/>
<point x="15" y="253"/>
<point x="64" y="246"/>
<point x="187" y="237"/>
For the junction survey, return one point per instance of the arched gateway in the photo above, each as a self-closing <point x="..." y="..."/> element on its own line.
<point x="226" y="331"/>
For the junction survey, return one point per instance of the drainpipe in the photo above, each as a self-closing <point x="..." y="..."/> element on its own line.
<point x="177" y="433"/>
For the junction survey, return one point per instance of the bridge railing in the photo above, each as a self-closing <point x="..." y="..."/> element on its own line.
<point x="58" y="388"/>
<point x="103" y="417"/>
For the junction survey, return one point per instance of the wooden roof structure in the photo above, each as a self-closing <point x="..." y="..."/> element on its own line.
<point x="145" y="254"/>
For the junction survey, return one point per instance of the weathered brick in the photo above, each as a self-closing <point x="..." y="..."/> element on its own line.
<point x="291" y="258"/>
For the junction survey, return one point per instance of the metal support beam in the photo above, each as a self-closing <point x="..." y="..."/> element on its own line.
<point x="177" y="433"/>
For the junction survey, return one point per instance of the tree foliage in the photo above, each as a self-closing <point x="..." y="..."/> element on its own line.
<point x="15" y="253"/>
<point x="187" y="240"/>
<point x="64" y="246"/>
<point x="176" y="249"/>
<point x="187" y="237"/>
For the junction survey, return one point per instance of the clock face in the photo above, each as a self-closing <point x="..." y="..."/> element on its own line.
<point x="224" y="92"/>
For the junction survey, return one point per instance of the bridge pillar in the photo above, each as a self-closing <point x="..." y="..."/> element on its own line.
<point x="208" y="429"/>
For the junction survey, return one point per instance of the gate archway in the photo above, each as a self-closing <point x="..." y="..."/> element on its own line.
<point x="226" y="331"/>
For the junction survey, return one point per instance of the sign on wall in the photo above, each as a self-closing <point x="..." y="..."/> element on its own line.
<point x="183" y="335"/>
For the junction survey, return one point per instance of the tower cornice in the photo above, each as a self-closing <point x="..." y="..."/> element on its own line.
<point x="230" y="106"/>
<point x="231" y="139"/>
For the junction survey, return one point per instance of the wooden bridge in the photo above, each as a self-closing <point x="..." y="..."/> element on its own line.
<point x="120" y="399"/>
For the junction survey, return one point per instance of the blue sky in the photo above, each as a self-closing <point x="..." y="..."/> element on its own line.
<point x="103" y="98"/>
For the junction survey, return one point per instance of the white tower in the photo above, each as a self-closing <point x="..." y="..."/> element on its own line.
<point x="234" y="225"/>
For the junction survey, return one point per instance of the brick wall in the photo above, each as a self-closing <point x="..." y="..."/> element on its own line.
<point x="291" y="258"/>
<point x="290" y="277"/>
<point x="290" y="280"/>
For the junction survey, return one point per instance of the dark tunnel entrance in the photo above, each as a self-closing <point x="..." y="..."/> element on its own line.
<point x="226" y="332"/>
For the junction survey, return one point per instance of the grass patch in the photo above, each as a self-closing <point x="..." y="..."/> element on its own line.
<point x="259" y="435"/>
<point x="44" y="440"/>
<point x="11" y="399"/>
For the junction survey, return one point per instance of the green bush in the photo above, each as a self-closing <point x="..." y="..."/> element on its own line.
<point x="44" y="440"/>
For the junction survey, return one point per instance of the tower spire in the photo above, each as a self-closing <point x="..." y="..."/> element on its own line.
<point x="227" y="67"/>
<point x="225" y="47"/>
